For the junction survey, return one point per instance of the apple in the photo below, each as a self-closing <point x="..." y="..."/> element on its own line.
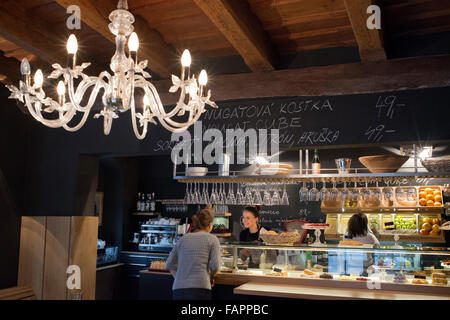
<point x="436" y="221"/>
<point x="424" y="232"/>
<point x="427" y="226"/>
<point x="435" y="227"/>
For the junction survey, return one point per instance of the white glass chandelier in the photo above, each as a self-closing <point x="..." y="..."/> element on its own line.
<point x="118" y="89"/>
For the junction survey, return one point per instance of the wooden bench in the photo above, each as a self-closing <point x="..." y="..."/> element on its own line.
<point x="17" y="293"/>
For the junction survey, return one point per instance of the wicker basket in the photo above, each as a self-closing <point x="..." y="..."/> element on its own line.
<point x="283" y="238"/>
<point x="440" y="164"/>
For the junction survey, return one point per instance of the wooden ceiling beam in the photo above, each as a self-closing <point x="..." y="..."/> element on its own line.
<point x="370" y="41"/>
<point x="352" y="78"/>
<point x="243" y="30"/>
<point x="160" y="55"/>
<point x="28" y="33"/>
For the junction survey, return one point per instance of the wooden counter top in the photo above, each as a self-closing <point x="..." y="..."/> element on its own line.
<point x="310" y="292"/>
<point x="323" y="287"/>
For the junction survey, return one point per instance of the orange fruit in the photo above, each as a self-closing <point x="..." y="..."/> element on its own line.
<point x="430" y="197"/>
<point x="424" y="232"/>
<point x="437" y="204"/>
<point x="430" y="203"/>
<point x="429" y="191"/>
<point x="427" y="219"/>
<point x="435" y="227"/>
<point x="436" y="192"/>
<point x="422" y="194"/>
<point x="436" y="221"/>
<point x="438" y="198"/>
<point x="423" y="202"/>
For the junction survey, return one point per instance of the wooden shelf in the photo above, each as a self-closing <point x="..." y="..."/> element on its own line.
<point x="149" y="214"/>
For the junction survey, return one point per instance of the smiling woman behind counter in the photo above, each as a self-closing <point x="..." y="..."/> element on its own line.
<point x="250" y="218"/>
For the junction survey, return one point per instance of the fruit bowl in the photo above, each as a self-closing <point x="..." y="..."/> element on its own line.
<point x="383" y="163"/>
<point x="439" y="164"/>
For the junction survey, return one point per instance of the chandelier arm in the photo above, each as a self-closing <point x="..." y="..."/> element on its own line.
<point x="76" y="97"/>
<point x="79" y="125"/>
<point x="160" y="107"/>
<point x="49" y="123"/>
<point x="132" y="106"/>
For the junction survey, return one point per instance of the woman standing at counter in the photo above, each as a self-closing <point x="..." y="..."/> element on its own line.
<point x="357" y="230"/>
<point x="195" y="260"/>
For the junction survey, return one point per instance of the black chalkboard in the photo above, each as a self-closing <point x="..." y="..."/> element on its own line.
<point x="416" y="115"/>
<point x="402" y="116"/>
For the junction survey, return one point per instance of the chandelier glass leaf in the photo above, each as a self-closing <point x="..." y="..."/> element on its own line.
<point x="117" y="90"/>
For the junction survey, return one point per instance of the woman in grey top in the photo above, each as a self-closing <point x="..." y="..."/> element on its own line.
<point x="195" y="260"/>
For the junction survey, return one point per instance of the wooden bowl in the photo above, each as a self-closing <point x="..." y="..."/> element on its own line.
<point x="383" y="163"/>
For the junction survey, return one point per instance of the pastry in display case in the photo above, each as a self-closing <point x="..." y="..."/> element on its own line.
<point x="394" y="269"/>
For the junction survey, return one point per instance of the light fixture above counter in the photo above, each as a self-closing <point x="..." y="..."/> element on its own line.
<point x="119" y="89"/>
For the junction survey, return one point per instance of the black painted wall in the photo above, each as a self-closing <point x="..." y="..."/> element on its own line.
<point x="14" y="134"/>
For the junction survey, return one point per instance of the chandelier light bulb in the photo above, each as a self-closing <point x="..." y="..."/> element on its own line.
<point x="61" y="89"/>
<point x="133" y="42"/>
<point x="72" y="44"/>
<point x="25" y="68"/>
<point x="186" y="58"/>
<point x="146" y="101"/>
<point x="203" y="78"/>
<point x="38" y="78"/>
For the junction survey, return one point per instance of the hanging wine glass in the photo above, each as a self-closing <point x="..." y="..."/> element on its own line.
<point x="285" y="198"/>
<point x="257" y="198"/>
<point x="303" y="192"/>
<point x="231" y="200"/>
<point x="323" y="192"/>
<point x="276" y="199"/>
<point x="212" y="199"/>
<point x="206" y="193"/>
<point x="248" y="196"/>
<point x="366" y="192"/>
<point x="313" y="194"/>
<point x="355" y="192"/>
<point x="266" y="198"/>
<point x="238" y="195"/>
<point x="186" y="194"/>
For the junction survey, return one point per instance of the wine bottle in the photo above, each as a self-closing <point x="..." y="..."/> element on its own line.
<point x="316" y="162"/>
<point x="153" y="203"/>
<point x="147" y="203"/>
<point x="138" y="204"/>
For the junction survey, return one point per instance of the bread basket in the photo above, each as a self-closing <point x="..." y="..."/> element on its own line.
<point x="282" y="238"/>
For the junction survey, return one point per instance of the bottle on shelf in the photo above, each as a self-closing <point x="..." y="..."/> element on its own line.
<point x="316" y="162"/>
<point x="147" y="203"/>
<point x="138" y="204"/>
<point x="153" y="203"/>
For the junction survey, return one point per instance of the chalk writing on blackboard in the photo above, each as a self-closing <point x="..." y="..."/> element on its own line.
<point x="387" y="106"/>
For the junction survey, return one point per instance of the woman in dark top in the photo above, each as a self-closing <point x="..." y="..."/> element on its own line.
<point x="250" y="218"/>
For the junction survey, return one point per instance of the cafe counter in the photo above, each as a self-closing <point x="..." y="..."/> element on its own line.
<point x="335" y="272"/>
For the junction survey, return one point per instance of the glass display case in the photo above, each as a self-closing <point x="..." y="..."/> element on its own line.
<point x="408" y="266"/>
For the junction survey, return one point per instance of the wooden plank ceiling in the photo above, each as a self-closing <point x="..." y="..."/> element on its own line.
<point x="257" y="30"/>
